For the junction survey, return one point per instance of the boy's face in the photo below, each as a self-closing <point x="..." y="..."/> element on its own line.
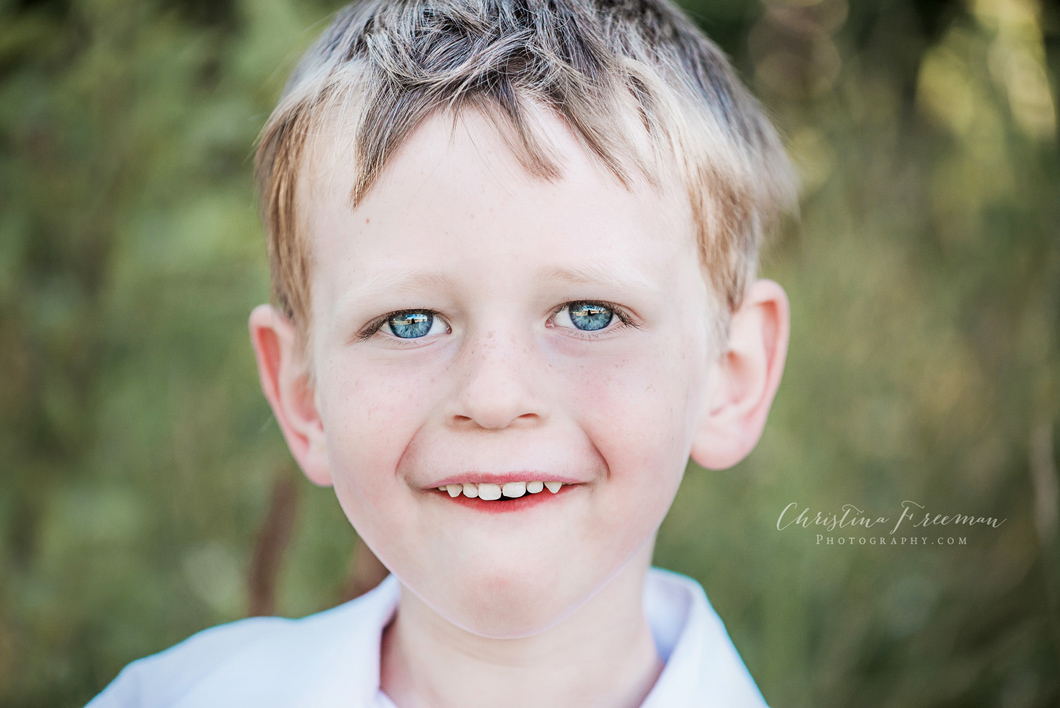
<point x="489" y="376"/>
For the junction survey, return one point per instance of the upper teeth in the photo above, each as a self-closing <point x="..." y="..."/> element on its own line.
<point x="489" y="492"/>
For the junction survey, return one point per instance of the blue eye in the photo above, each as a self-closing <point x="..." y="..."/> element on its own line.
<point x="410" y="325"/>
<point x="590" y="316"/>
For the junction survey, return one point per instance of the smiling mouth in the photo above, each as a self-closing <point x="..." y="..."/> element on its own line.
<point x="508" y="497"/>
<point x="500" y="492"/>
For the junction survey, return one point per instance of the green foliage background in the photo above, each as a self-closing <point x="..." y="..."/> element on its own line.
<point x="137" y="454"/>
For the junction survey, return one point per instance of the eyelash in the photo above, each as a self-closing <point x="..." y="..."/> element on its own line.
<point x="623" y="317"/>
<point x="375" y="325"/>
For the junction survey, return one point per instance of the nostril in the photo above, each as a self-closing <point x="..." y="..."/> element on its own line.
<point x="495" y="421"/>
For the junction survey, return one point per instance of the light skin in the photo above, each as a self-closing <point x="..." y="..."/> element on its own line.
<point x="507" y="382"/>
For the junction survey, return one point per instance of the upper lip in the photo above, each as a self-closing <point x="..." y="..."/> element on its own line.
<point x="502" y="478"/>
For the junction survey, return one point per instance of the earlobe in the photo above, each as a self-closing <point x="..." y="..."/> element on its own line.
<point x="747" y="377"/>
<point x="287" y="388"/>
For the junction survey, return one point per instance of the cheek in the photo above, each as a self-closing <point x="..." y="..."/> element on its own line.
<point x="370" y="412"/>
<point x="636" y="410"/>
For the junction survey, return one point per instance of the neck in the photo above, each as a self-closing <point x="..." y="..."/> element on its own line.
<point x="602" y="655"/>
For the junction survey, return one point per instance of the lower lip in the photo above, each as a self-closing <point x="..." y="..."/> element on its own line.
<point x="506" y="504"/>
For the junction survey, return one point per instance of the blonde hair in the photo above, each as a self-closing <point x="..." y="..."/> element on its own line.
<point x="614" y="71"/>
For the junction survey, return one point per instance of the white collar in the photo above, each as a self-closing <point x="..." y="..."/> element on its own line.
<point x="703" y="668"/>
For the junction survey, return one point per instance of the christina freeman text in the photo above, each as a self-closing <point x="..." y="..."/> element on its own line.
<point x="912" y="515"/>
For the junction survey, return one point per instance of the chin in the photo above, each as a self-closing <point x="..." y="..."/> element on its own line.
<point x="501" y="604"/>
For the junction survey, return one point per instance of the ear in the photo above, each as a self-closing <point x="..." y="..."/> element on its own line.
<point x="287" y="387"/>
<point x="746" y="378"/>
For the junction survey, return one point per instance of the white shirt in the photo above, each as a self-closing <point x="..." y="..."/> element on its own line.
<point x="331" y="659"/>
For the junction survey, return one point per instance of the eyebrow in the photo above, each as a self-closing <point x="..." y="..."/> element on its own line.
<point x="401" y="283"/>
<point x="607" y="275"/>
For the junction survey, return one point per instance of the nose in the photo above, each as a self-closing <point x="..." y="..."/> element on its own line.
<point x="500" y="383"/>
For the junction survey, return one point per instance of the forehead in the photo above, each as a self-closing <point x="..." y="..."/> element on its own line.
<point x="455" y="193"/>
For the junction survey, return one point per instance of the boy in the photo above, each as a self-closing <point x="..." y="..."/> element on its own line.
<point x="513" y="247"/>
